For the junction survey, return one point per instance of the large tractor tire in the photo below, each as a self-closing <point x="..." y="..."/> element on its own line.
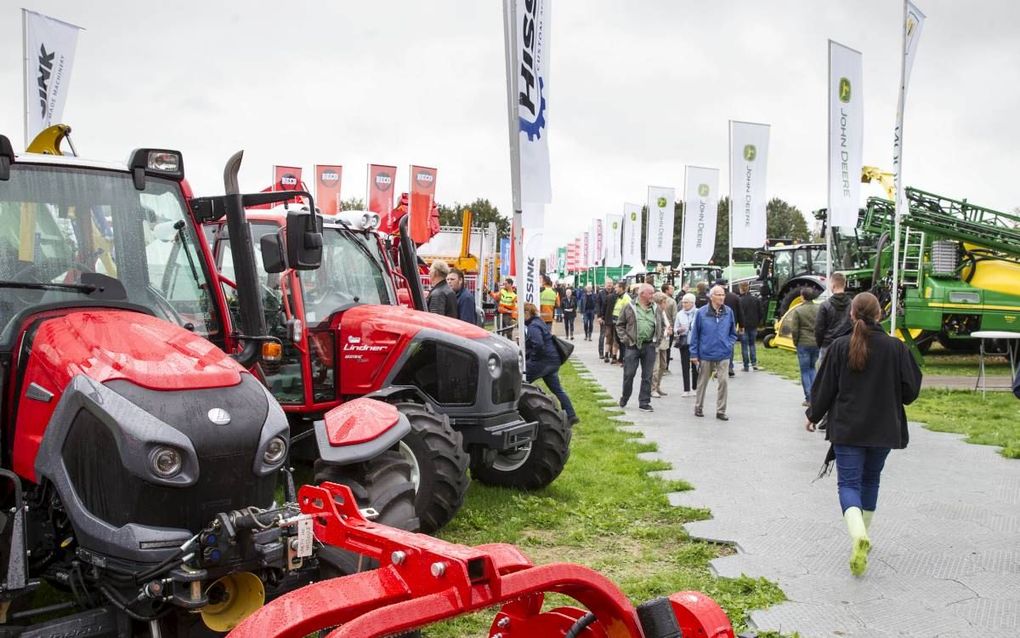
<point x="439" y="465"/>
<point x="383" y="484"/>
<point x="791" y="296"/>
<point x="539" y="462"/>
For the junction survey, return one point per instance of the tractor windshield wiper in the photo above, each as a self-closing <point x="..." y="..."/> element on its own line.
<point x="33" y="285"/>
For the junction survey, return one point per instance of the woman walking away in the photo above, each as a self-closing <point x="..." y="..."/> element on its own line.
<point x="659" y="301"/>
<point x="569" y="306"/>
<point x="543" y="360"/>
<point x="865" y="379"/>
<point x="681" y="339"/>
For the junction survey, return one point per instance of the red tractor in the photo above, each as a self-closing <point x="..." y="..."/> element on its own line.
<point x="347" y="333"/>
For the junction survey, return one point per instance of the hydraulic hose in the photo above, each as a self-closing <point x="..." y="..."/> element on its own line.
<point x="579" y="626"/>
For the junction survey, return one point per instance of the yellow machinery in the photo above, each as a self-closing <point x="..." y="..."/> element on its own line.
<point x="466" y="262"/>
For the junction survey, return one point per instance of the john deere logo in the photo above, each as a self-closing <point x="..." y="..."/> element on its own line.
<point x="844" y="90"/>
<point x="661" y="202"/>
<point x="703" y="189"/>
<point x="383" y="181"/>
<point x="616" y="225"/>
<point x="633" y="217"/>
<point x="750" y="152"/>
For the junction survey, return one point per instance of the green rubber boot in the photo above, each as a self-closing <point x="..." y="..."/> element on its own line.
<point x="867" y="519"/>
<point x="861" y="543"/>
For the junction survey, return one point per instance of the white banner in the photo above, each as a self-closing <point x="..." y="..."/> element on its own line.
<point x="49" y="57"/>
<point x="911" y="35"/>
<point x="600" y="244"/>
<point x="614" y="240"/>
<point x="585" y="249"/>
<point x="632" y="235"/>
<point x="659" y="244"/>
<point x="846" y="134"/>
<point x="531" y="284"/>
<point x="749" y="155"/>
<point x="531" y="60"/>
<point x="701" y="211"/>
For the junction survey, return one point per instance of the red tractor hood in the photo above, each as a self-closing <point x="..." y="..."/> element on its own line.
<point x="399" y="320"/>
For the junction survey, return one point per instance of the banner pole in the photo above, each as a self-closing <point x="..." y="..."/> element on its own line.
<point x="24" y="68"/>
<point x="730" y="207"/>
<point x="898" y="170"/>
<point x="828" y="155"/>
<point x="510" y="42"/>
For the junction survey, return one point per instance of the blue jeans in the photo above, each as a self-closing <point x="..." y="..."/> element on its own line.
<point x="807" y="357"/>
<point x="748" y="347"/>
<point x="858" y="472"/>
<point x="589" y="324"/>
<point x="551" y="376"/>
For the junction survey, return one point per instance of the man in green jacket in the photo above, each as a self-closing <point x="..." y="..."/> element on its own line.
<point x="801" y="322"/>
<point x="640" y="327"/>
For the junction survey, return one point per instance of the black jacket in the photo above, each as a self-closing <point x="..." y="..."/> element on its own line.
<point x="568" y="304"/>
<point x="733" y="301"/>
<point x="833" y="319"/>
<point x="750" y="311"/>
<point x="866" y="408"/>
<point x="443" y="301"/>
<point x="608" y="304"/>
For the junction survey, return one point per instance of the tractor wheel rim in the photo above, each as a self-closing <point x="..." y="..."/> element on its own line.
<point x="415" y="469"/>
<point x="514" y="459"/>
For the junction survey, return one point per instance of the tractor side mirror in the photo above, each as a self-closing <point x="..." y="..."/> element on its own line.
<point x="273" y="258"/>
<point x="304" y="240"/>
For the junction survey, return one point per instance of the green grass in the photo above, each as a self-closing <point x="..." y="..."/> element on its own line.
<point x="946" y="363"/>
<point x="606" y="512"/>
<point x="993" y="419"/>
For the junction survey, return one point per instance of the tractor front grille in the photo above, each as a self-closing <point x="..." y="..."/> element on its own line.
<point x="447" y="374"/>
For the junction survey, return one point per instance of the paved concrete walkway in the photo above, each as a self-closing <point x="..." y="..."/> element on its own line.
<point x="946" y="557"/>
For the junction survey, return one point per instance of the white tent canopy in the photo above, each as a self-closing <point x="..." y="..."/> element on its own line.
<point x="639" y="269"/>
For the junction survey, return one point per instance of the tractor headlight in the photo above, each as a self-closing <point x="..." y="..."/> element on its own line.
<point x="495" y="369"/>
<point x="166" y="462"/>
<point x="275" y="450"/>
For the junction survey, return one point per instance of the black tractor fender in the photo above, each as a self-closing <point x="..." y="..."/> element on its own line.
<point x="791" y="289"/>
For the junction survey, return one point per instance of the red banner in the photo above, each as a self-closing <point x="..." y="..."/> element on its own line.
<point x="423" y="195"/>
<point x="381" y="179"/>
<point x="286" y="178"/>
<point x="327" y="187"/>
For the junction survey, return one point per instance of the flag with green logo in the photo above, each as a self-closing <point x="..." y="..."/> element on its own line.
<point x="749" y="153"/>
<point x="701" y="210"/>
<point x="614" y="241"/>
<point x="632" y="235"/>
<point x="846" y="134"/>
<point x="561" y="260"/>
<point x="659" y="242"/>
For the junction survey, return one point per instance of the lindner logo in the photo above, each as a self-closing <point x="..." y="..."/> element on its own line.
<point x="45" y="71"/>
<point x="703" y="190"/>
<point x="531" y="119"/>
<point x="329" y="178"/>
<point x="383" y="181"/>
<point x="633" y="217"/>
<point x="424" y="179"/>
<point x="219" y="416"/>
<point x="844" y="90"/>
<point x="750" y="152"/>
<point x="661" y="202"/>
<point x="288" y="181"/>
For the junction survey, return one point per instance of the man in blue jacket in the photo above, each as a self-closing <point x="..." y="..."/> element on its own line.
<point x="713" y="333"/>
<point x="466" y="310"/>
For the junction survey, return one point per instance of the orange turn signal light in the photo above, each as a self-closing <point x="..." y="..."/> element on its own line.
<point x="272" y="351"/>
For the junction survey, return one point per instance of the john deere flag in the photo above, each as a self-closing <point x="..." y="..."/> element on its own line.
<point x="614" y="241"/>
<point x="846" y="134"/>
<point x="659" y="244"/>
<point x="749" y="152"/>
<point x="632" y="235"/>
<point x="912" y="35"/>
<point x="701" y="208"/>
<point x="327" y="188"/>
<point x="49" y="56"/>
<point x="423" y="195"/>
<point x="380" y="189"/>
<point x="530" y="63"/>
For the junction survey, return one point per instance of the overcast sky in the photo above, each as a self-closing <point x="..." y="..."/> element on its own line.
<point x="638" y="90"/>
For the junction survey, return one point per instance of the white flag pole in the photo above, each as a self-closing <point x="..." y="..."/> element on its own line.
<point x="897" y="170"/>
<point x="730" y="207"/>
<point x="24" y="67"/>
<point x="510" y="39"/>
<point x="828" y="210"/>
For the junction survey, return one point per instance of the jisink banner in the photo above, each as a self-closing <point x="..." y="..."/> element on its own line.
<point x="749" y="154"/>
<point x="846" y="134"/>
<point x="531" y="282"/>
<point x="531" y="57"/>
<point x="632" y="235"/>
<point x="701" y="210"/>
<point x="49" y="57"/>
<point x="659" y="244"/>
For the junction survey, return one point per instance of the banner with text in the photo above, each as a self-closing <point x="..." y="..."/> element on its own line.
<point x="701" y="210"/>
<point x="49" y="57"/>
<point x="381" y="179"/>
<point x="504" y="257"/>
<point x="585" y="250"/>
<point x="749" y="154"/>
<point x="846" y="134"/>
<point x="531" y="60"/>
<point x="600" y="244"/>
<point x="614" y="241"/>
<point x="659" y="243"/>
<point x="423" y="196"/>
<point x="561" y="260"/>
<point x="632" y="235"/>
<point x="327" y="187"/>
<point x="531" y="281"/>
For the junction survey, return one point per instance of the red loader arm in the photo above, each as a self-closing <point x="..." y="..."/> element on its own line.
<point x="422" y="580"/>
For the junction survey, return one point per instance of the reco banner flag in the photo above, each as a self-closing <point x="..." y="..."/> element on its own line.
<point x="631" y="235"/>
<point x="659" y="244"/>
<point x="423" y="195"/>
<point x="381" y="179"/>
<point x="531" y="285"/>
<point x="327" y="187"/>
<point x="846" y="134"/>
<point x="532" y="59"/>
<point x="600" y="244"/>
<point x="701" y="209"/>
<point x="614" y="241"/>
<point x="49" y="57"/>
<point x="749" y="153"/>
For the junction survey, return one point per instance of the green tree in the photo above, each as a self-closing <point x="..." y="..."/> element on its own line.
<point x="484" y="214"/>
<point x="786" y="221"/>
<point x="353" y="203"/>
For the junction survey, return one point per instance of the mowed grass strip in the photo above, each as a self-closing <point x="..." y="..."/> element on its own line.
<point x="606" y="511"/>
<point x="993" y="419"/>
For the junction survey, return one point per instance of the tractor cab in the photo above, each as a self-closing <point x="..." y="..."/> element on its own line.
<point x="691" y="274"/>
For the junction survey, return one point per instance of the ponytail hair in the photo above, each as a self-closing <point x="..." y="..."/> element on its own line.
<point x="865" y="312"/>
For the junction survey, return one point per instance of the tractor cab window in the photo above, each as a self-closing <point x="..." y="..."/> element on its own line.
<point x="69" y="235"/>
<point x="782" y="265"/>
<point x="819" y="261"/>
<point x="351" y="273"/>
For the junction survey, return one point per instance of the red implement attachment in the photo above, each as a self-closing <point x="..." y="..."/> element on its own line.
<point x="422" y="580"/>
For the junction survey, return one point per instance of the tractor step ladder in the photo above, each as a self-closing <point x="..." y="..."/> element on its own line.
<point x="913" y="257"/>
